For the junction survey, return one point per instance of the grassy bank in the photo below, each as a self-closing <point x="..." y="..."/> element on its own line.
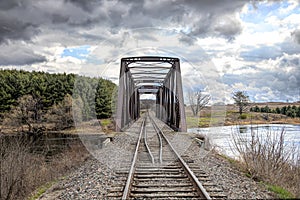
<point x="96" y="126"/>
<point x="232" y="117"/>
<point x="269" y="161"/>
<point x="23" y="170"/>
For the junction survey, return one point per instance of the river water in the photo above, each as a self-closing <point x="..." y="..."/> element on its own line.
<point x="222" y="137"/>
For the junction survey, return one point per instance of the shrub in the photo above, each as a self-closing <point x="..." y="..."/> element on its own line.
<point x="22" y="170"/>
<point x="243" y="116"/>
<point x="266" y="157"/>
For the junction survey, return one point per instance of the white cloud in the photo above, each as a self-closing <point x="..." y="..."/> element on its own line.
<point x="220" y="39"/>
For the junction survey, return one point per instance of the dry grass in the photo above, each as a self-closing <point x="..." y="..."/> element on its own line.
<point x="232" y="117"/>
<point x="22" y="171"/>
<point x="265" y="157"/>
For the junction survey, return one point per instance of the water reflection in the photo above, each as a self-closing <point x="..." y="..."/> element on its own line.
<point x="221" y="137"/>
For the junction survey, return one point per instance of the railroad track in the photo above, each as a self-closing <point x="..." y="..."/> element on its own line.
<point x="158" y="171"/>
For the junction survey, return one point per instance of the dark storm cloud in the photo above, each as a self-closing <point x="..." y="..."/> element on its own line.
<point x="187" y="39"/>
<point x="6" y="5"/>
<point x="88" y="6"/>
<point x="22" y="20"/>
<point x="12" y="29"/>
<point x="18" y="55"/>
<point x="229" y="27"/>
<point x="42" y="22"/>
<point x="296" y="35"/>
<point x="204" y="18"/>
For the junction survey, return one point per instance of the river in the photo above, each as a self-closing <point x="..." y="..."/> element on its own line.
<point x="222" y="137"/>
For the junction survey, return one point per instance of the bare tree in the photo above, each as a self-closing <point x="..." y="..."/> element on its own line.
<point x="61" y="114"/>
<point x="198" y="101"/>
<point x="241" y="100"/>
<point x="28" y="112"/>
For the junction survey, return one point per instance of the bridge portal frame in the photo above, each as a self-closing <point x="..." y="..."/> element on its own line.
<point x="160" y="76"/>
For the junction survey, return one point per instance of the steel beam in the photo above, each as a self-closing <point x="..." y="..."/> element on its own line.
<point x="164" y="81"/>
<point x="179" y="93"/>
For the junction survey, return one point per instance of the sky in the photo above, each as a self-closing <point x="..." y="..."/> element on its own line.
<point x="224" y="46"/>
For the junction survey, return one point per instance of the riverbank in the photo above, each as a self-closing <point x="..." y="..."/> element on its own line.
<point x="103" y="126"/>
<point x="230" y="117"/>
<point x="27" y="164"/>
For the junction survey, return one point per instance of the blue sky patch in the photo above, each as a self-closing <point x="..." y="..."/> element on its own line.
<point x="262" y="10"/>
<point x="80" y="52"/>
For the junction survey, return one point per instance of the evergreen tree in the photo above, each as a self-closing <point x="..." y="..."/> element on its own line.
<point x="283" y="110"/>
<point x="51" y="89"/>
<point x="241" y="100"/>
<point x="277" y="110"/>
<point x="104" y="98"/>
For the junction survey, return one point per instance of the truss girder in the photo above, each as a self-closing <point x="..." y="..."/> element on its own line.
<point x="161" y="76"/>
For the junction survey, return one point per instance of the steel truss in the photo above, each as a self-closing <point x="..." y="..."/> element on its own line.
<point x="160" y="76"/>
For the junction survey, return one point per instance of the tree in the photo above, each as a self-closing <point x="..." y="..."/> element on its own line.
<point x="198" y="101"/>
<point x="291" y="113"/>
<point x="283" y="110"/>
<point x="28" y="112"/>
<point x="61" y="114"/>
<point x="103" y="98"/>
<point x="241" y="99"/>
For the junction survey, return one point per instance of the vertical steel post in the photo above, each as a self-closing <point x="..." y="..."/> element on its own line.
<point x="161" y="103"/>
<point x="172" y="93"/>
<point x="121" y="92"/>
<point x="138" y="104"/>
<point x="157" y="105"/>
<point x="179" y="93"/>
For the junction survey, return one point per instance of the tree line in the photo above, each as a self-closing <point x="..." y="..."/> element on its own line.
<point x="290" y="111"/>
<point x="32" y="98"/>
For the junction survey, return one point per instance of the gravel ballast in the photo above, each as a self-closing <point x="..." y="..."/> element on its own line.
<point x="95" y="178"/>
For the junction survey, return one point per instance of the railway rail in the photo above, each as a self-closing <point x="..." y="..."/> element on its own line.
<point x="158" y="171"/>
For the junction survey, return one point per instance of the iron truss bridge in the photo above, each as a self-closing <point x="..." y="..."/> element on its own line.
<point x="159" y="76"/>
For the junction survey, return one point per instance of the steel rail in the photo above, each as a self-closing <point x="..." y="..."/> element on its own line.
<point x="160" y="140"/>
<point x="191" y="174"/>
<point x="147" y="147"/>
<point x="132" y="168"/>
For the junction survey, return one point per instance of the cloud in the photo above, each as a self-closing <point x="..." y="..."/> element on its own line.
<point x="279" y="75"/>
<point x="86" y="5"/>
<point x="252" y="46"/>
<point x="22" y="20"/>
<point x="296" y="35"/>
<point x="261" y="53"/>
<point x="6" y="5"/>
<point x="228" y="26"/>
<point x="18" y="55"/>
<point x="13" y="29"/>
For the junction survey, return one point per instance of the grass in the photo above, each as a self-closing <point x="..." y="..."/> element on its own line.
<point x="23" y="170"/>
<point x="106" y="122"/>
<point x="268" y="160"/>
<point x="281" y="192"/>
<point x="230" y="160"/>
<point x="232" y="117"/>
<point x="192" y="121"/>
<point x="107" y="125"/>
<point x="41" y="190"/>
<point x="195" y="122"/>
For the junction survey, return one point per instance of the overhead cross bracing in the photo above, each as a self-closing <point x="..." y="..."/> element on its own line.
<point x="159" y="76"/>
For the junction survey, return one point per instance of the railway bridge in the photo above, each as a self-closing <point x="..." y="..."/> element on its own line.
<point x="159" y="76"/>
